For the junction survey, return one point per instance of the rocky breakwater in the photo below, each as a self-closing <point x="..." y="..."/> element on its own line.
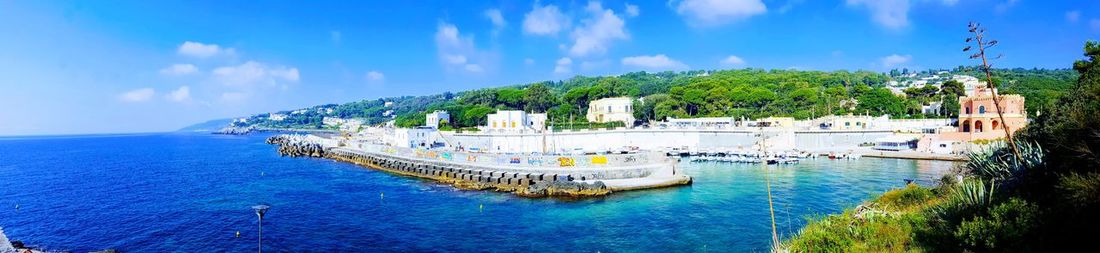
<point x="460" y="175"/>
<point x="472" y="177"/>
<point x="295" y="145"/>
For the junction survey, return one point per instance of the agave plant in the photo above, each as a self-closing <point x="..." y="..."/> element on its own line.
<point x="970" y="195"/>
<point x="998" y="163"/>
<point x="973" y="193"/>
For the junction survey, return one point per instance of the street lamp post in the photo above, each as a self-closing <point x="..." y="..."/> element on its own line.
<point x="260" y="210"/>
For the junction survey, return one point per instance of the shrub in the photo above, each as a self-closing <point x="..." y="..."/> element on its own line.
<point x="906" y="198"/>
<point x="1005" y="227"/>
<point x="1080" y="190"/>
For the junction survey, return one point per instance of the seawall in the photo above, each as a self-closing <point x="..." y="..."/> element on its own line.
<point x="523" y="181"/>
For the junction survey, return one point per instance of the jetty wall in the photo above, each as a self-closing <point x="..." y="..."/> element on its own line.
<point x="532" y="176"/>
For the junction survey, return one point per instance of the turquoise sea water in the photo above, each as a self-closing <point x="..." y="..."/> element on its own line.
<point x="192" y="192"/>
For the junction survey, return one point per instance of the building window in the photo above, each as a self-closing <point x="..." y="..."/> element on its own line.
<point x="494" y="124"/>
<point x="981" y="109"/>
<point x="513" y="124"/>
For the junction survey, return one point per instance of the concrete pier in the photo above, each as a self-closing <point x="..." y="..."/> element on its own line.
<point x="511" y="176"/>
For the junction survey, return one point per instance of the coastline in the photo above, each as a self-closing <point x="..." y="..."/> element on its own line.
<point x="911" y="155"/>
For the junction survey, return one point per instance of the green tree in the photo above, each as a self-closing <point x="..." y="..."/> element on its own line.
<point x="644" y="109"/>
<point x="881" y="101"/>
<point x="539" y="98"/>
<point x="511" y="97"/>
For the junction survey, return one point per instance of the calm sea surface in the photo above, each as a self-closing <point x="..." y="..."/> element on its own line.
<point x="192" y="192"/>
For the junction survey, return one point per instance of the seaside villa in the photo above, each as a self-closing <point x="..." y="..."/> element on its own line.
<point x="433" y="119"/>
<point x="515" y="121"/>
<point x="611" y="109"/>
<point x="978" y="119"/>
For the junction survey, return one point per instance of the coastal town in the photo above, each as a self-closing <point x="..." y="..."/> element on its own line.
<point x="519" y="131"/>
<point x="517" y="149"/>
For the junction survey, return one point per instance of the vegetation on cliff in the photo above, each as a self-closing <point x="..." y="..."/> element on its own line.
<point x="752" y="93"/>
<point x="1048" y="199"/>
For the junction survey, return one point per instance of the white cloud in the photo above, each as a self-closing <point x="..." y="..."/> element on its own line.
<point x="454" y="59"/>
<point x="892" y="14"/>
<point x="544" y="20"/>
<point x="495" y="16"/>
<point x="563" y="66"/>
<point x="180" y="95"/>
<point x="336" y="36"/>
<point x="200" y="50"/>
<point x="718" y="12"/>
<point x="1004" y="6"/>
<point x="179" y="70"/>
<point x="733" y="60"/>
<point x="658" y="62"/>
<point x="234" y="96"/>
<point x="138" y="95"/>
<point x="790" y="5"/>
<point x="252" y="73"/>
<point x="894" y="60"/>
<point x="473" y="68"/>
<point x="632" y="10"/>
<point x="375" y="76"/>
<point x="597" y="32"/>
<point x="459" y="53"/>
<point x="1073" y="16"/>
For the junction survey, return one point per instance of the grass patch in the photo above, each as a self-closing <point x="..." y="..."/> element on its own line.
<point x="884" y="224"/>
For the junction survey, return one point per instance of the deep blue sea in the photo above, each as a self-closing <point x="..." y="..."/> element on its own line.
<point x="193" y="192"/>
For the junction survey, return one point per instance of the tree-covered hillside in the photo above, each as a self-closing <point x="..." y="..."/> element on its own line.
<point x="750" y="93"/>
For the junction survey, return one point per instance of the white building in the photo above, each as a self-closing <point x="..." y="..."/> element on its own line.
<point x="433" y="119"/>
<point x="276" y="117"/>
<point x="969" y="82"/>
<point x="851" y="122"/>
<point x="932" y="108"/>
<point x="350" y="125"/>
<point x="332" y="121"/>
<point x="536" y="121"/>
<point x="611" y="109"/>
<point x="515" y="121"/>
<point x="420" y="137"/>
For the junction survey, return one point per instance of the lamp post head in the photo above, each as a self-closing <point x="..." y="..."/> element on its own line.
<point x="261" y="209"/>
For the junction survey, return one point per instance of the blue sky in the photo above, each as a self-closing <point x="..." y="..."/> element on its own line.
<point x="71" y="67"/>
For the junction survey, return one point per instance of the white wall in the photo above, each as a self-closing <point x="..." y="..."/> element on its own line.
<point x="653" y="139"/>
